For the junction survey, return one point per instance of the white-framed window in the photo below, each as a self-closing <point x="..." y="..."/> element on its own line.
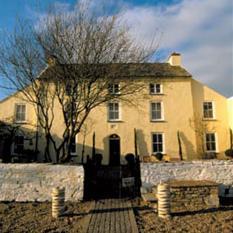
<point x="156" y="88"/>
<point x="20" y="112"/>
<point x="208" y="110"/>
<point x="113" y="111"/>
<point x="211" y="142"/>
<point x="157" y="113"/>
<point x="158" y="145"/>
<point x="73" y="145"/>
<point x="114" y="89"/>
<point x="18" y="145"/>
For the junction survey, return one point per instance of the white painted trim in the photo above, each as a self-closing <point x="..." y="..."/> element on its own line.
<point x="20" y="103"/>
<point x="213" y="107"/>
<point x="120" y="112"/>
<point x="156" y="93"/>
<point x="162" y="111"/>
<point x="216" y="142"/>
<point x="163" y="138"/>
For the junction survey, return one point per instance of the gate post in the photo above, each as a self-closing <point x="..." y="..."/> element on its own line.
<point x="164" y="200"/>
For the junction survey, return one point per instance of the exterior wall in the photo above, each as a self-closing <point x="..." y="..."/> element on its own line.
<point x="7" y="114"/>
<point x="182" y="100"/>
<point x="220" y="124"/>
<point x="177" y="96"/>
<point x="230" y="111"/>
<point x="218" y="171"/>
<point x="34" y="182"/>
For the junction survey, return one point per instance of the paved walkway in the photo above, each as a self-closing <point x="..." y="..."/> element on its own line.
<point x="112" y="216"/>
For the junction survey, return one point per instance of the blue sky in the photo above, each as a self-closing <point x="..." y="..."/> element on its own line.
<point x="201" y="30"/>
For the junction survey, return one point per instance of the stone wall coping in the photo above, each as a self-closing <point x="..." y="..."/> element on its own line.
<point x="192" y="183"/>
<point x="201" y="162"/>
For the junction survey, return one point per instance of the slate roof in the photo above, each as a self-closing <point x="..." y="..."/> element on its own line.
<point x="152" y="70"/>
<point x="140" y="70"/>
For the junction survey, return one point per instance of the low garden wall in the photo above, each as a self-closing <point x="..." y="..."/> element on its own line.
<point x="193" y="195"/>
<point x="219" y="171"/>
<point x="34" y="182"/>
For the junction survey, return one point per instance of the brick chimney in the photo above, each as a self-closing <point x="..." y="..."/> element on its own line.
<point x="174" y="59"/>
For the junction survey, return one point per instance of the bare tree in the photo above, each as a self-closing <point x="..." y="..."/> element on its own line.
<point x="87" y="55"/>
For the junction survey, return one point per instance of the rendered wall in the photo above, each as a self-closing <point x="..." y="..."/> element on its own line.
<point x="219" y="125"/>
<point x="34" y="182"/>
<point x="212" y="170"/>
<point x="182" y="100"/>
<point x="230" y="111"/>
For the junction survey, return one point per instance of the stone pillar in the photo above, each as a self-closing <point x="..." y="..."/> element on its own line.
<point x="58" y="199"/>
<point x="164" y="200"/>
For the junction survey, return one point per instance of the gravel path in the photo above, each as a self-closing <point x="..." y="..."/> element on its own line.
<point x="212" y="221"/>
<point x="36" y="217"/>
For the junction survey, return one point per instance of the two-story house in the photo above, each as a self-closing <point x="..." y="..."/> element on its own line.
<point x="174" y="107"/>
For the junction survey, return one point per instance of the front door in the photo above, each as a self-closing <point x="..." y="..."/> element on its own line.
<point x="114" y="150"/>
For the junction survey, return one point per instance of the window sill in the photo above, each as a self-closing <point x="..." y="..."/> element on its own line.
<point x="156" y="93"/>
<point x="115" y="121"/>
<point x="20" y="122"/>
<point x="159" y="121"/>
<point x="154" y="153"/>
<point x="209" y="119"/>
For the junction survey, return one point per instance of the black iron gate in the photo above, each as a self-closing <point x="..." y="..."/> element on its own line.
<point x="101" y="181"/>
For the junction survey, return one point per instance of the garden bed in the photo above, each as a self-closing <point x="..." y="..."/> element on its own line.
<point x="36" y="217"/>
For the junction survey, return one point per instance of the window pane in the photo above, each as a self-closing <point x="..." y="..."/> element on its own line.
<point x="156" y="111"/>
<point x="210" y="142"/>
<point x="152" y="88"/>
<point x="157" y="142"/>
<point x="73" y="145"/>
<point x="208" y="109"/>
<point x="158" y="88"/>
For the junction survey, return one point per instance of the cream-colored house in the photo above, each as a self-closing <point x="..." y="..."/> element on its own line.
<point x="171" y="104"/>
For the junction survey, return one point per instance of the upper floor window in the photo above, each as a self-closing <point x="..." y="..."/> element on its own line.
<point x="210" y="141"/>
<point x="18" y="144"/>
<point x="20" y="112"/>
<point x="158" y="143"/>
<point x="156" y="88"/>
<point x="157" y="111"/>
<point x="114" y="88"/>
<point x="113" y="111"/>
<point x="208" y="110"/>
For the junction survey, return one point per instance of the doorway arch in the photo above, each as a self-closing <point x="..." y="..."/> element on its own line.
<point x="114" y="150"/>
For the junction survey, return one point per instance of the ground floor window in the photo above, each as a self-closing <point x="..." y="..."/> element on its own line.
<point x="73" y="145"/>
<point x="18" y="144"/>
<point x="157" y="143"/>
<point x="210" y="141"/>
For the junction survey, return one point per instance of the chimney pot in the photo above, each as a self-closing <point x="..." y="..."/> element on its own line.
<point x="174" y="59"/>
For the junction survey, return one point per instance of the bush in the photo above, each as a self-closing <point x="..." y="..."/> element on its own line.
<point x="210" y="155"/>
<point x="130" y="158"/>
<point x="98" y="159"/>
<point x="229" y="153"/>
<point x="159" y="156"/>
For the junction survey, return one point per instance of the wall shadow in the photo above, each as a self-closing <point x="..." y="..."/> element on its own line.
<point x="142" y="145"/>
<point x="189" y="148"/>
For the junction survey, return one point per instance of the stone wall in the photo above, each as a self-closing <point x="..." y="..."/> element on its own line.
<point x="220" y="171"/>
<point x="193" y="195"/>
<point x="34" y="182"/>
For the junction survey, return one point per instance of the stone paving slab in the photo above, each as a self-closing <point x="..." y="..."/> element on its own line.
<point x="112" y="215"/>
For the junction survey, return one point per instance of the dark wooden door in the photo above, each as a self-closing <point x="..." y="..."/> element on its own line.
<point x="114" y="150"/>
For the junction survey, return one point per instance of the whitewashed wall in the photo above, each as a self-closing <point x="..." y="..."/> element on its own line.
<point x="34" y="182"/>
<point x="219" y="171"/>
